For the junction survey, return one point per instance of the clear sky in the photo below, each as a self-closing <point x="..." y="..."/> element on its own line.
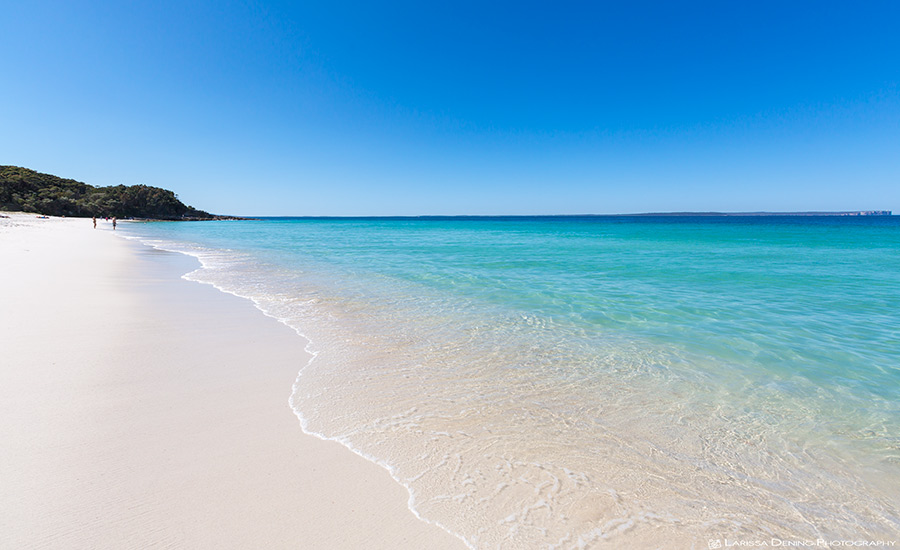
<point x="370" y="108"/>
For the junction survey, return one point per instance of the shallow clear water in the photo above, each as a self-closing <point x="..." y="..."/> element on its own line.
<point x="569" y="382"/>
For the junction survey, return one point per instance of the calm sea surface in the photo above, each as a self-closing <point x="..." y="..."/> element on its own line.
<point x="579" y="382"/>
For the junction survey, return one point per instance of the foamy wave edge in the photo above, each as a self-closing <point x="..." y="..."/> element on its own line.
<point x="195" y="276"/>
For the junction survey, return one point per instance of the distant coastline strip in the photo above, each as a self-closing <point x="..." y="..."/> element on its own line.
<point x="745" y="214"/>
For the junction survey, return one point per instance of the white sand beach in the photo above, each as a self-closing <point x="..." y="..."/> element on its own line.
<point x="141" y="410"/>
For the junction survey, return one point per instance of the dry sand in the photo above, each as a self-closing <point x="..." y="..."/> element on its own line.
<point x="140" y="410"/>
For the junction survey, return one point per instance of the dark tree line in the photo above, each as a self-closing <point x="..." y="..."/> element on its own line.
<point x="30" y="191"/>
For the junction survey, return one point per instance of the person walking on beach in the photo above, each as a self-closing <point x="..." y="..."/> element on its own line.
<point x="95" y="222"/>
<point x="114" y="223"/>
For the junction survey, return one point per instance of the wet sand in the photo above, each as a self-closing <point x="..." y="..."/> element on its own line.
<point x="141" y="410"/>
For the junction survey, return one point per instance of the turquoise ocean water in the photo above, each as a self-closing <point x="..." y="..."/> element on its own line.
<point x="573" y="382"/>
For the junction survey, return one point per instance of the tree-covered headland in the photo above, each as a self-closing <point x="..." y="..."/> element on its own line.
<point x="25" y="190"/>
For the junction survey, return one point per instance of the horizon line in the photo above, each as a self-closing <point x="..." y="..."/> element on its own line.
<point x="709" y="214"/>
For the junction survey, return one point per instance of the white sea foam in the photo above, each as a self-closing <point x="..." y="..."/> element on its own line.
<point x="212" y="261"/>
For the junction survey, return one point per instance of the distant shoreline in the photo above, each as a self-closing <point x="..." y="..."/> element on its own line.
<point x="745" y="214"/>
<point x="214" y="217"/>
<point x="853" y="213"/>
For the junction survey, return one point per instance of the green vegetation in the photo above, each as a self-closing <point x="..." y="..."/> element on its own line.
<point x="30" y="191"/>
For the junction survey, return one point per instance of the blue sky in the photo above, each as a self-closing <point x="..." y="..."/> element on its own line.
<point x="344" y="108"/>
